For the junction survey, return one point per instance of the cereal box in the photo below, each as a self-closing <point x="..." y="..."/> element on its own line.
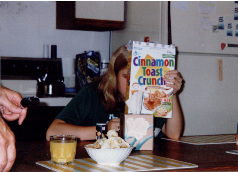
<point x="146" y="92"/>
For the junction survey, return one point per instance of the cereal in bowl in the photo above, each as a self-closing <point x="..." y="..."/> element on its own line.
<point x="112" y="142"/>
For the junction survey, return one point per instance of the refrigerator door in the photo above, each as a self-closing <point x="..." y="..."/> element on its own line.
<point x="209" y="104"/>
<point x="194" y="26"/>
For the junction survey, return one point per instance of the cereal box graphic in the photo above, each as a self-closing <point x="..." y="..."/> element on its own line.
<point x="146" y="92"/>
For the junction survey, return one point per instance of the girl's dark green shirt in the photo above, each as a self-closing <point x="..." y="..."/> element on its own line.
<point x="85" y="109"/>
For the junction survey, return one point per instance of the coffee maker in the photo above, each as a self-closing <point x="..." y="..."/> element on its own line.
<point x="50" y="80"/>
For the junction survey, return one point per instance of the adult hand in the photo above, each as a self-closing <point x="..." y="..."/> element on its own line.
<point x="114" y="124"/>
<point x="7" y="146"/>
<point x="10" y="105"/>
<point x="173" y="80"/>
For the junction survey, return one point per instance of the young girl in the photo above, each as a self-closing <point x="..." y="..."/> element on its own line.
<point x="103" y="101"/>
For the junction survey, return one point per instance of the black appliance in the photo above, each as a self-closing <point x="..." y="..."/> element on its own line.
<point x="48" y="73"/>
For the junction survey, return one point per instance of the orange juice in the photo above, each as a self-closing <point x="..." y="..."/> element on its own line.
<point x="63" y="151"/>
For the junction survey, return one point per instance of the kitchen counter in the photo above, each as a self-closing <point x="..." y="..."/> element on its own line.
<point x="54" y="101"/>
<point x="28" y="88"/>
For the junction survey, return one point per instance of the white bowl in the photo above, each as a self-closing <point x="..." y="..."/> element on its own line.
<point x="109" y="156"/>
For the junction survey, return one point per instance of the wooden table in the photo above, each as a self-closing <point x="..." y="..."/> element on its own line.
<point x="207" y="157"/>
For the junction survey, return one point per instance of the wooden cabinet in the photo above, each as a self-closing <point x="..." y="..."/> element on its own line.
<point x="71" y="16"/>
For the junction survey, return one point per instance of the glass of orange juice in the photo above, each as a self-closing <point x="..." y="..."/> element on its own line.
<point x="63" y="149"/>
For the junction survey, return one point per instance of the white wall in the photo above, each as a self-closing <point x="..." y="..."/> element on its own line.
<point x="26" y="26"/>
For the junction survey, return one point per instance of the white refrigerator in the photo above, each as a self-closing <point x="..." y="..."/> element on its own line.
<point x="205" y="34"/>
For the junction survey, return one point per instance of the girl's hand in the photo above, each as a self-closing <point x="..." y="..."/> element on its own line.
<point x="114" y="124"/>
<point x="173" y="80"/>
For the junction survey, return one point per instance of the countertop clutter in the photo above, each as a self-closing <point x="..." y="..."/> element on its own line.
<point x="27" y="88"/>
<point x="42" y="77"/>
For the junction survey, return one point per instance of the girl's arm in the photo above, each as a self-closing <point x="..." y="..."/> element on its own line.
<point x="174" y="126"/>
<point x="59" y="127"/>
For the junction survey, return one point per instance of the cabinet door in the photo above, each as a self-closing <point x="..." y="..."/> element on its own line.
<point x="100" y="10"/>
<point x="92" y="16"/>
<point x="143" y="18"/>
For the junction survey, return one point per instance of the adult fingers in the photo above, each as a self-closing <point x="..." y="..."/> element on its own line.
<point x="11" y="116"/>
<point x="4" y="101"/>
<point x="3" y="150"/>
<point x="22" y="116"/>
<point x="14" y="116"/>
<point x="11" y="153"/>
<point x="7" y="146"/>
<point x="13" y="96"/>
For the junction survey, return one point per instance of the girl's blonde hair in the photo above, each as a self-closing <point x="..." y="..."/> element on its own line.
<point x="109" y="94"/>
